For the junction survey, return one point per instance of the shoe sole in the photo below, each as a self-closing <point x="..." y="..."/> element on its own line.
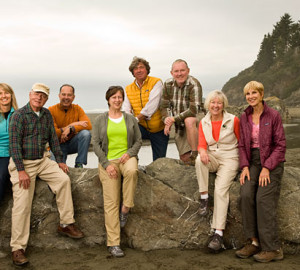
<point x="19" y="264"/>
<point x="265" y="261"/>
<point x="243" y="257"/>
<point x="71" y="236"/>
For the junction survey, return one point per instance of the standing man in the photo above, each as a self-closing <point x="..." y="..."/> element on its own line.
<point x="30" y="130"/>
<point x="142" y="99"/>
<point x="181" y="102"/>
<point x="72" y="126"/>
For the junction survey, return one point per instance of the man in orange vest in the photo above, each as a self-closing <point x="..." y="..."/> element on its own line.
<point x="142" y="99"/>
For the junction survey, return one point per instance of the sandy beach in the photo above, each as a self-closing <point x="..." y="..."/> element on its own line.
<point x="98" y="258"/>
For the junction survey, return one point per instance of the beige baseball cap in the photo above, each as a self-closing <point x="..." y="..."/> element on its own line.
<point x="40" y="87"/>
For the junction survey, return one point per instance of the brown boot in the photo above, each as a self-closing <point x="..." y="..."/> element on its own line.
<point x="70" y="231"/>
<point x="247" y="251"/>
<point x="267" y="256"/>
<point x="18" y="257"/>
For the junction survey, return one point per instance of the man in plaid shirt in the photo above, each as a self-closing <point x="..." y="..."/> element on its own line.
<point x="181" y="102"/>
<point x="31" y="129"/>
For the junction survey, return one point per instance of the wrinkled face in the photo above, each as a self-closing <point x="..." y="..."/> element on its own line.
<point x="115" y="101"/>
<point x="140" y="72"/>
<point x="5" y="98"/>
<point x="253" y="97"/>
<point x="37" y="100"/>
<point x="66" y="97"/>
<point x="180" y="73"/>
<point x="216" y="107"/>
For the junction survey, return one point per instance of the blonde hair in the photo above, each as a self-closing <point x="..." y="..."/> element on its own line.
<point x="216" y="94"/>
<point x="254" y="85"/>
<point x="8" y="89"/>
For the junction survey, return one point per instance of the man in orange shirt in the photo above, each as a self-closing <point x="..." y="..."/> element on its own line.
<point x="72" y="126"/>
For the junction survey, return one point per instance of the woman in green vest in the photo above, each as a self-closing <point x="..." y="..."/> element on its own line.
<point x="117" y="141"/>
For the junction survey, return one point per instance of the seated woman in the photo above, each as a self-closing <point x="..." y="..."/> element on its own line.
<point x="117" y="141"/>
<point x="8" y="104"/>
<point x="218" y="152"/>
<point x="262" y="153"/>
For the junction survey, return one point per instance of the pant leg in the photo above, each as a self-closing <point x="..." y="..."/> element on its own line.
<point x="111" y="197"/>
<point x="22" y="202"/>
<point x="226" y="172"/>
<point x="248" y="197"/>
<point x="202" y="171"/>
<point x="60" y="184"/>
<point x="78" y="144"/>
<point x="4" y="175"/>
<point x="267" y="202"/>
<point x="159" y="144"/>
<point x="129" y="171"/>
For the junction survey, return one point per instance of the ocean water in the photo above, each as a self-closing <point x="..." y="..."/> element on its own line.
<point x="145" y="156"/>
<point x="292" y="133"/>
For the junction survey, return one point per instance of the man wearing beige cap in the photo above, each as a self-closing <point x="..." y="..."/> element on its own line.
<point x="31" y="129"/>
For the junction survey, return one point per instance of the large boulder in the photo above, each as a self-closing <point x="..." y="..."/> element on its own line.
<point x="165" y="213"/>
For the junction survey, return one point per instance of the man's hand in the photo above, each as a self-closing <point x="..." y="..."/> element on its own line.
<point x="64" y="135"/>
<point x="64" y="167"/>
<point x="169" y="121"/>
<point x="80" y="123"/>
<point x="24" y="180"/>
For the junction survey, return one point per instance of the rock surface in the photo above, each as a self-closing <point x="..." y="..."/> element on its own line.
<point x="165" y="213"/>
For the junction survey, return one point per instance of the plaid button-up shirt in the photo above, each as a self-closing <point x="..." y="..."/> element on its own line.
<point x="185" y="101"/>
<point x="29" y="134"/>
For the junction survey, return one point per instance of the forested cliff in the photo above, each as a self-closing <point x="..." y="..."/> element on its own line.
<point x="277" y="66"/>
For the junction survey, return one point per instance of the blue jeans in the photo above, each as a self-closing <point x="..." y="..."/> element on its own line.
<point x="4" y="175"/>
<point x="159" y="142"/>
<point x="78" y="144"/>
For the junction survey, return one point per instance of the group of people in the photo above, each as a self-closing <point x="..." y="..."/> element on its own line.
<point x="35" y="142"/>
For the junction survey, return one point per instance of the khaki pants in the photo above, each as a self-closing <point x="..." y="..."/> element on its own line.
<point x="226" y="170"/>
<point x="112" y="195"/>
<point x="182" y="142"/>
<point x="58" y="181"/>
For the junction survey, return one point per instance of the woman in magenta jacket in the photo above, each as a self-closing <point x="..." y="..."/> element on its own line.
<point x="262" y="148"/>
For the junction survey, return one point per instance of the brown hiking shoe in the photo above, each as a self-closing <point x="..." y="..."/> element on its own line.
<point x="18" y="257"/>
<point x="267" y="256"/>
<point x="70" y="231"/>
<point x="247" y="251"/>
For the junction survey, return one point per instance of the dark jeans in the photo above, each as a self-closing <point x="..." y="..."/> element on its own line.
<point x="78" y="144"/>
<point x="259" y="205"/>
<point x="159" y="142"/>
<point x="4" y="175"/>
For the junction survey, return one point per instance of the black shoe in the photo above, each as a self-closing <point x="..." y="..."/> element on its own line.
<point x="116" y="251"/>
<point x="123" y="219"/>
<point x="203" y="209"/>
<point x="216" y="244"/>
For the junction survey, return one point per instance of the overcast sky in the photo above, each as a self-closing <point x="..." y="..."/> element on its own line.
<point x="90" y="44"/>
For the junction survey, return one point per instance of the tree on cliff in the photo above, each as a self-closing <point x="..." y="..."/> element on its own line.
<point x="277" y="65"/>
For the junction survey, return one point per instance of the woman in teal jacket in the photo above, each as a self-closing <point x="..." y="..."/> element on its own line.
<point x="8" y="104"/>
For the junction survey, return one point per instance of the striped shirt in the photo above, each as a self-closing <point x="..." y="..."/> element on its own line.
<point x="29" y="134"/>
<point x="185" y="101"/>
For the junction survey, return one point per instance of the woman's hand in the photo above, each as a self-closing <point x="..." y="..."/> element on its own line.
<point x="124" y="158"/>
<point x="111" y="171"/>
<point x="264" y="177"/>
<point x="204" y="156"/>
<point x="245" y="173"/>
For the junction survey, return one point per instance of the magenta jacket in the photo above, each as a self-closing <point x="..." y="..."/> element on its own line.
<point x="272" y="142"/>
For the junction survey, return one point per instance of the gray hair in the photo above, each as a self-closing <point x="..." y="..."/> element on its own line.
<point x="216" y="94"/>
